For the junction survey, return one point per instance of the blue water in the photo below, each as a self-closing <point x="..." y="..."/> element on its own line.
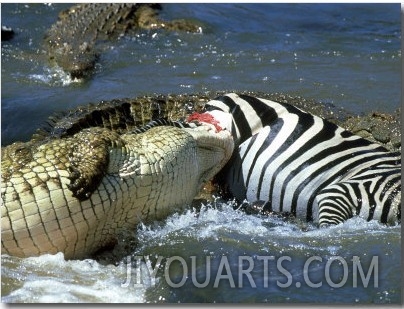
<point x="345" y="54"/>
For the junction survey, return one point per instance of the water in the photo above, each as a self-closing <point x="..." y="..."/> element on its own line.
<point x="344" y="54"/>
<point x="220" y="235"/>
<point x="348" y="55"/>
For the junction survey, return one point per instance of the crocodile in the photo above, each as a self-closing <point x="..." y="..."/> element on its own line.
<point x="126" y="113"/>
<point x="120" y="115"/>
<point x="74" y="133"/>
<point x="72" y="42"/>
<point x="78" y="193"/>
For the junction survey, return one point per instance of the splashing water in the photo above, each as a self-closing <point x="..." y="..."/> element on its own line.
<point x="218" y="235"/>
<point x="54" y="76"/>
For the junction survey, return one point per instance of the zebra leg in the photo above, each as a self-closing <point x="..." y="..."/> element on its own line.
<point x="337" y="203"/>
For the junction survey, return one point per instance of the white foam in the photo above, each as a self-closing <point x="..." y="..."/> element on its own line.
<point x="52" y="279"/>
<point x="214" y="219"/>
<point x="211" y="218"/>
<point x="54" y="76"/>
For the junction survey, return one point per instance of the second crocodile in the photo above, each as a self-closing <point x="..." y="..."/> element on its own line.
<point x="71" y="43"/>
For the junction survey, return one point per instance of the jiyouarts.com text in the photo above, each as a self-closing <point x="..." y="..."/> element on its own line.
<point x="252" y="271"/>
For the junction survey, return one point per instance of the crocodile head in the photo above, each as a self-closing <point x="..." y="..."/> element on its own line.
<point x="77" y="194"/>
<point x="215" y="147"/>
<point x="79" y="61"/>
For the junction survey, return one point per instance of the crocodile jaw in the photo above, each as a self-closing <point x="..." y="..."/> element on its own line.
<point x="214" y="149"/>
<point x="75" y="195"/>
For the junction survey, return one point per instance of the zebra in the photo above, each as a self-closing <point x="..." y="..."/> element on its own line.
<point x="289" y="161"/>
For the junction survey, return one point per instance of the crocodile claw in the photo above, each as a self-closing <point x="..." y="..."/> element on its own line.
<point x="89" y="161"/>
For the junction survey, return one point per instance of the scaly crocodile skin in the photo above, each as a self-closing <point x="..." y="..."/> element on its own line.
<point x="71" y="41"/>
<point x="76" y="194"/>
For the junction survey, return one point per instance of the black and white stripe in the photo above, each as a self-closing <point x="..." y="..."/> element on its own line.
<point x="291" y="161"/>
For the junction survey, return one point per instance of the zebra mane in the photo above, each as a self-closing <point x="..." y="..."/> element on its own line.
<point x="248" y="113"/>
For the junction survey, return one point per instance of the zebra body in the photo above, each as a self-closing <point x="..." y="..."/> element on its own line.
<point x="290" y="161"/>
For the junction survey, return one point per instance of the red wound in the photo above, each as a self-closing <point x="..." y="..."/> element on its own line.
<point x="205" y="117"/>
